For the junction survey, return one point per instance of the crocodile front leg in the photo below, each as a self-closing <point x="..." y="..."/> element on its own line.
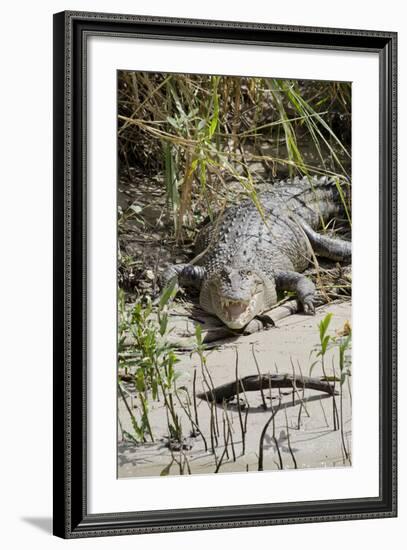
<point x="338" y="250"/>
<point x="301" y="285"/>
<point x="186" y="275"/>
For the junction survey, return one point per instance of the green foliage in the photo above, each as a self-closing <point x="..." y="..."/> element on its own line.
<point x="340" y="342"/>
<point x="150" y="359"/>
<point x="200" y="346"/>
<point x="344" y="360"/>
<point x="323" y="336"/>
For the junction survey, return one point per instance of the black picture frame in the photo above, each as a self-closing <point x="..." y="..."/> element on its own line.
<point x="71" y="518"/>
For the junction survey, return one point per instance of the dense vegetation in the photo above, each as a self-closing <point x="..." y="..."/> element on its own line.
<point x="209" y="138"/>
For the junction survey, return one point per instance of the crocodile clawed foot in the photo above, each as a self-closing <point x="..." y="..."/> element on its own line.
<point x="309" y="306"/>
<point x="260" y="322"/>
<point x="255" y="325"/>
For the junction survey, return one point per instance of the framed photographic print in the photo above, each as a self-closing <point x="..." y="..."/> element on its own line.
<point x="224" y="274"/>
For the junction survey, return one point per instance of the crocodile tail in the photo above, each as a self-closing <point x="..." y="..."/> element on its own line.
<point x="317" y="199"/>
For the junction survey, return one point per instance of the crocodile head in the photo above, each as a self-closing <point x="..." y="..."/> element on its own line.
<point x="237" y="295"/>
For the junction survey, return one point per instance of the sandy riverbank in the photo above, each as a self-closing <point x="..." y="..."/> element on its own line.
<point x="303" y="434"/>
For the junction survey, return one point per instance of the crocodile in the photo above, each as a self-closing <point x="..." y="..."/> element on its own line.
<point x="252" y="251"/>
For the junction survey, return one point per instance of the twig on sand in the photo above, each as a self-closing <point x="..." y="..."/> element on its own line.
<point x="235" y="389"/>
<point x="194" y="398"/>
<point x="194" y="425"/>
<point x="259" y="373"/>
<point x="288" y="438"/>
<point x="295" y="390"/>
<point x="262" y="436"/>
<point x="225" y="453"/>
<point x="229" y="431"/>
<point x="303" y="395"/>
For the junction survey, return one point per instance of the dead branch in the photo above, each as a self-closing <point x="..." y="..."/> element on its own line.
<point x="265" y="381"/>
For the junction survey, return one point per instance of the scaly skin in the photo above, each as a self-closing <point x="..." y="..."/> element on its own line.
<point x="243" y="259"/>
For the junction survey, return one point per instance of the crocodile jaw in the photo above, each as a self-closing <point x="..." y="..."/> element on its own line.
<point x="236" y="314"/>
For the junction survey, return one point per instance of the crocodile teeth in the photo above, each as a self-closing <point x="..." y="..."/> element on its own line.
<point x="236" y="309"/>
